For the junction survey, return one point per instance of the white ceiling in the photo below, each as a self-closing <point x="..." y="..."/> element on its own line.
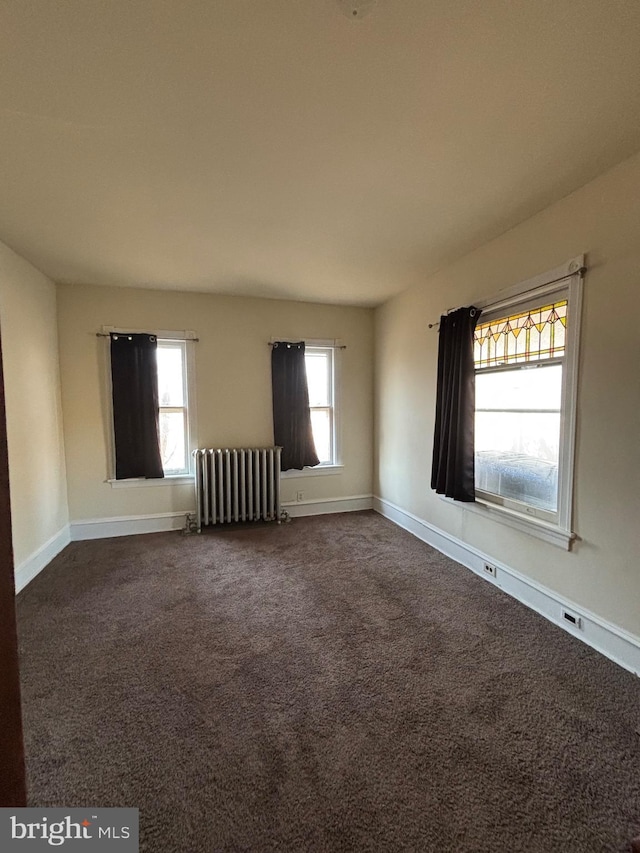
<point x="278" y="148"/>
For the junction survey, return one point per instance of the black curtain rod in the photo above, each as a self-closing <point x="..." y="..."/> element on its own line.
<point x="581" y="271"/>
<point x="108" y="335"/>
<point x="326" y="346"/>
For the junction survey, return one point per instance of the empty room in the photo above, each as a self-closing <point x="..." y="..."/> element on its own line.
<point x="319" y="417"/>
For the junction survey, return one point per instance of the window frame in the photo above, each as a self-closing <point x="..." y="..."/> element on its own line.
<point x="187" y="339"/>
<point x="565" y="281"/>
<point x="333" y="348"/>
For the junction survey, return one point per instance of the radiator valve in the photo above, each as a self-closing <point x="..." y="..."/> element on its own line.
<point x="190" y="524"/>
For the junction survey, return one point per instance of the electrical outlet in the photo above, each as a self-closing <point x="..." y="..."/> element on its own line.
<point x="572" y="618"/>
<point x="490" y="570"/>
<point x="299" y="496"/>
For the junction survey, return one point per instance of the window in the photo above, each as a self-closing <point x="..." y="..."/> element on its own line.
<point x="525" y="354"/>
<point x="518" y="405"/>
<point x="319" y="363"/>
<point x="173" y="402"/>
<point x="175" y="364"/>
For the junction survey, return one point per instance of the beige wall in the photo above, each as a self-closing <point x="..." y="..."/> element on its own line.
<point x="34" y="413"/>
<point x="233" y="385"/>
<point x="602" y="573"/>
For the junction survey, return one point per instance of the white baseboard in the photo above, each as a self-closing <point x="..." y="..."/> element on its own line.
<point x="34" y="564"/>
<point x="126" y="525"/>
<point x="130" y="525"/>
<point x="613" y="642"/>
<point x="323" y="506"/>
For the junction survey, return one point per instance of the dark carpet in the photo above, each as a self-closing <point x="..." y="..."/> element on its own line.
<point x="332" y="684"/>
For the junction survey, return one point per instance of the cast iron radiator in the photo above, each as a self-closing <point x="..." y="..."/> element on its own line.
<point x="237" y="485"/>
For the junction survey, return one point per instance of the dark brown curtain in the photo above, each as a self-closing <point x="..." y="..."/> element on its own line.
<point x="452" y="472"/>
<point x="134" y="378"/>
<point x="291" y="416"/>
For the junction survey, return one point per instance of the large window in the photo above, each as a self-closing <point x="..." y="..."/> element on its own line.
<point x="525" y="354"/>
<point x="319" y="363"/>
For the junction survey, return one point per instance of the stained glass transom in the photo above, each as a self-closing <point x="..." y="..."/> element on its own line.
<point x="530" y="336"/>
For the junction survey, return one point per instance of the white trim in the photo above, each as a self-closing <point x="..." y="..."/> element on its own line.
<point x="545" y="530"/>
<point x="40" y="559"/>
<point x="127" y="525"/>
<point x="138" y="482"/>
<point x="323" y="506"/>
<point x="318" y="471"/>
<point x="569" y="406"/>
<point x="338" y="399"/>
<point x="509" y="296"/>
<point x="130" y="525"/>
<point x="192" y="401"/>
<point x="615" y="643"/>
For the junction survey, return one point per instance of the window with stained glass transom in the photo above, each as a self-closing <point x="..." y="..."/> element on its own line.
<point x="525" y="352"/>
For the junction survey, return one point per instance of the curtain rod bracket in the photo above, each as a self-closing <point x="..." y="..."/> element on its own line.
<point x="472" y="313"/>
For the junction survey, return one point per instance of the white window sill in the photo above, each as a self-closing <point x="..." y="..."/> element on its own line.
<point x="318" y="471"/>
<point x="527" y="524"/>
<point x="140" y="482"/>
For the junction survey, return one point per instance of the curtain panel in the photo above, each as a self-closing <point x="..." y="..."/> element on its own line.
<point x="452" y="472"/>
<point x="136" y="426"/>
<point x="291" y="416"/>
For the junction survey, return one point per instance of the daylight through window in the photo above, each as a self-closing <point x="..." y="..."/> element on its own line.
<point x="320" y="382"/>
<point x="173" y="402"/>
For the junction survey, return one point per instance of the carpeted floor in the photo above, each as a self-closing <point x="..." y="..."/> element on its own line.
<point x="328" y="685"/>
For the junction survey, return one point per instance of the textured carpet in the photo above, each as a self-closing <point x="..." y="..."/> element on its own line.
<point x="328" y="685"/>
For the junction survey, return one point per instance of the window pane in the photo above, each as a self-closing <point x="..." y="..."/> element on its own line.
<point x="170" y="376"/>
<point x="321" y="426"/>
<point x="531" y="388"/>
<point x="317" y="365"/>
<point x="172" y="441"/>
<point x="528" y="475"/>
<point x="518" y="434"/>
